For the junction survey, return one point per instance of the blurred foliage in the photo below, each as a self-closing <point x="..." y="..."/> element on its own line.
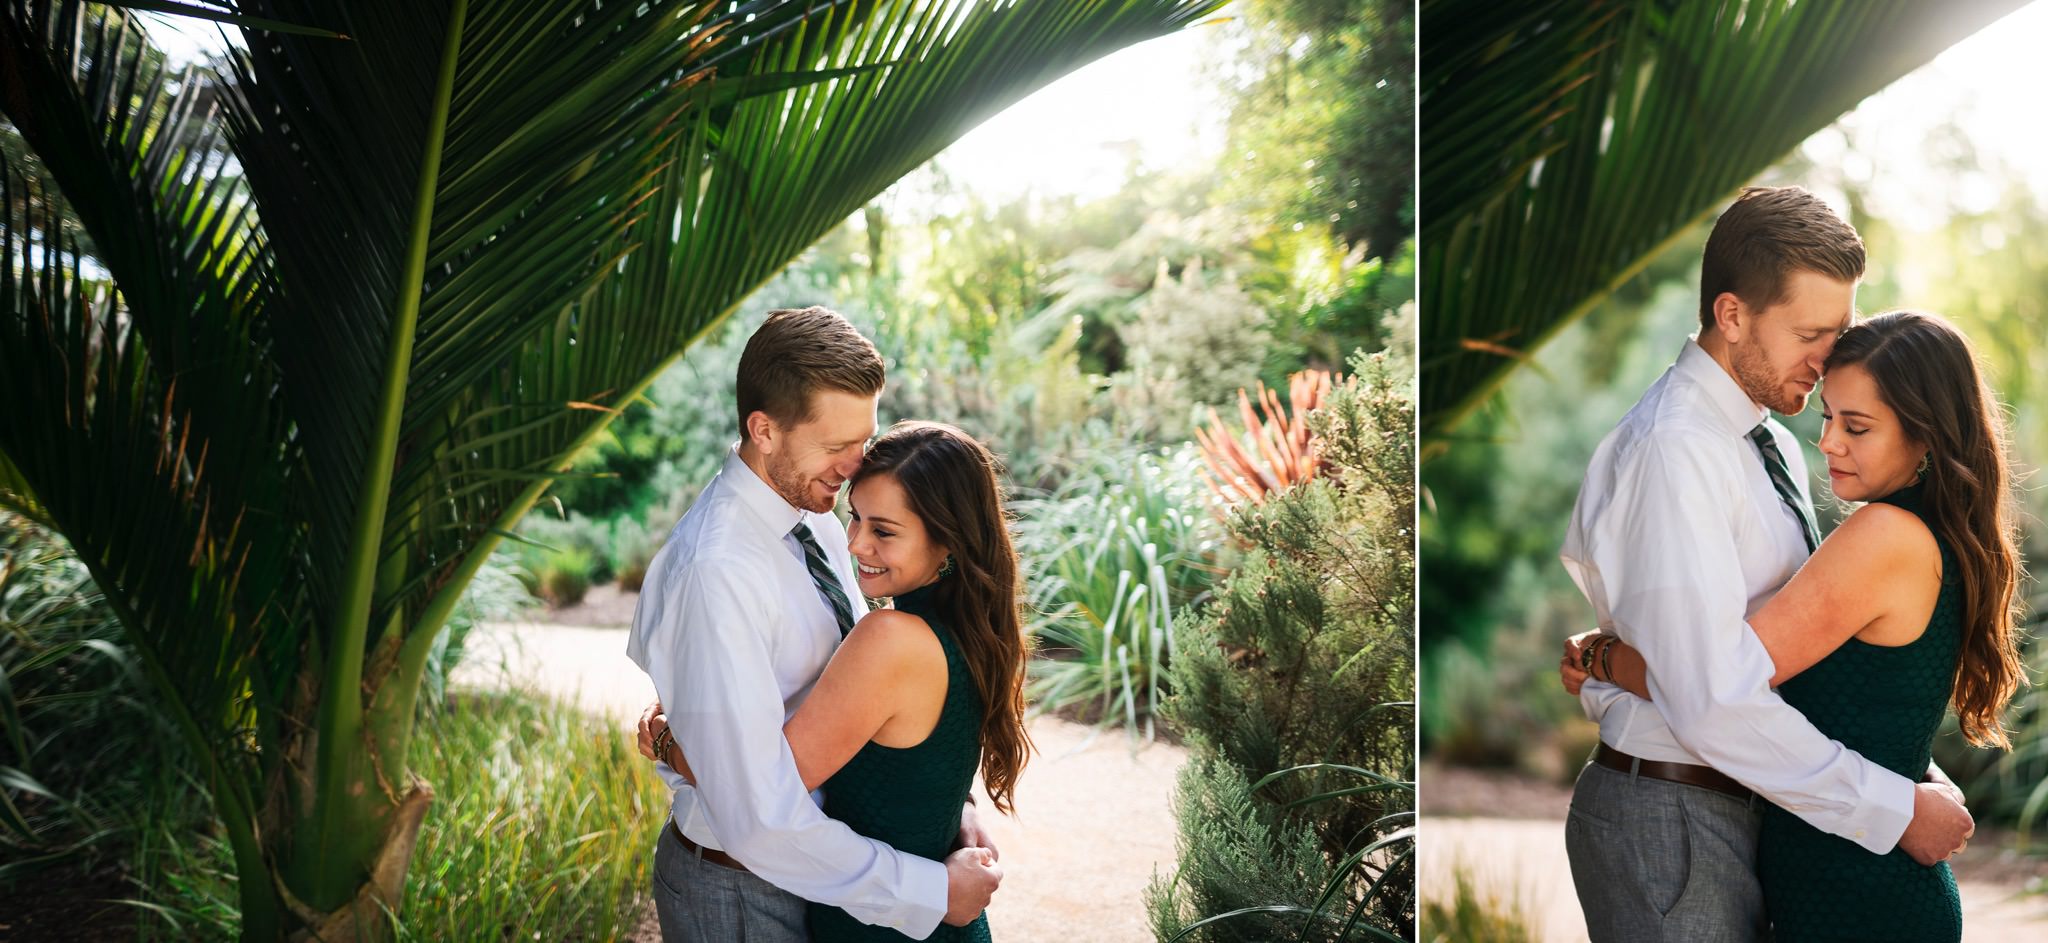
<point x="1323" y="128"/>
<point x="1466" y="917"/>
<point x="1190" y="341"/>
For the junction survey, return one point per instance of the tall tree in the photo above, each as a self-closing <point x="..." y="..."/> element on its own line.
<point x="305" y="381"/>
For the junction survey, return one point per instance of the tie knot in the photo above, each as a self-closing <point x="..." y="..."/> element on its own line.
<point x="1761" y="435"/>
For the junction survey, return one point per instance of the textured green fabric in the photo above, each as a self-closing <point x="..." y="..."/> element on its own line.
<point x="910" y="798"/>
<point x="1885" y="703"/>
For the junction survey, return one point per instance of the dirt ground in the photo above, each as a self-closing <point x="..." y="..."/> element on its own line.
<point x="1507" y="833"/>
<point x="1093" y="820"/>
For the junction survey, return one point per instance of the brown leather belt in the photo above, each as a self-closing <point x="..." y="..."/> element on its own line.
<point x="712" y="855"/>
<point x="1705" y="777"/>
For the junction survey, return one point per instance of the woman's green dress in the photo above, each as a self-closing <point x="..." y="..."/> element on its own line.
<point x="910" y="797"/>
<point x="1885" y="703"/>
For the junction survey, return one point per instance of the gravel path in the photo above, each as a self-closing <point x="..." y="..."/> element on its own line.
<point x="1507" y="834"/>
<point x="1093" y="821"/>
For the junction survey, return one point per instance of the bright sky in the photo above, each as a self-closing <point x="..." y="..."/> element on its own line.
<point x="1077" y="135"/>
<point x="1990" y="86"/>
<point x="1157" y="101"/>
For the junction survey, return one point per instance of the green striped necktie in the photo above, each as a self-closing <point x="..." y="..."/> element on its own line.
<point x="823" y="577"/>
<point x="1781" y="479"/>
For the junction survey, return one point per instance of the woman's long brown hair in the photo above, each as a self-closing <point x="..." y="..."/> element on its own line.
<point x="950" y="480"/>
<point x="1926" y="371"/>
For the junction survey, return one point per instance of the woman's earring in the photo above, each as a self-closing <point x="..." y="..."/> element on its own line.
<point x="1926" y="460"/>
<point x="946" y="569"/>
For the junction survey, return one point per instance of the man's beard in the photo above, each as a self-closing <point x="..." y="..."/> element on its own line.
<point x="796" y="489"/>
<point x="1753" y="374"/>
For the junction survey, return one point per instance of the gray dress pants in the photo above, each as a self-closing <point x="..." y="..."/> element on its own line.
<point x="1655" y="860"/>
<point x="700" y="901"/>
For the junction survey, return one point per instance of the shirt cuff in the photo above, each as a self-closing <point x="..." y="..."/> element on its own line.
<point x="924" y="899"/>
<point x="1882" y="820"/>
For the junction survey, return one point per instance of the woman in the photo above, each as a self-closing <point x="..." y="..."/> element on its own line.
<point x="1906" y="608"/>
<point x="919" y="695"/>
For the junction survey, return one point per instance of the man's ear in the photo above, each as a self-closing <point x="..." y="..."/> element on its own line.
<point x="762" y="431"/>
<point x="1732" y="317"/>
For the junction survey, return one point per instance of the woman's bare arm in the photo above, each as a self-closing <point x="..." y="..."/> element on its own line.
<point x="885" y="663"/>
<point x="1863" y="571"/>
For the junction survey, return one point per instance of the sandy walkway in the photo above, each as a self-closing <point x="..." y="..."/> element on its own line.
<point x="1522" y="861"/>
<point x="1093" y="819"/>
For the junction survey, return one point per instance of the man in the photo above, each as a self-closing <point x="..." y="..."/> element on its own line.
<point x="741" y="609"/>
<point x="1693" y="513"/>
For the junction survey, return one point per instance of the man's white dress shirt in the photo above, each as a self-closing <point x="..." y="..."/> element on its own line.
<point x="734" y="633"/>
<point x="1676" y="539"/>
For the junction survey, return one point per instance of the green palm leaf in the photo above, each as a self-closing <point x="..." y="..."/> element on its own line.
<point x="1564" y="143"/>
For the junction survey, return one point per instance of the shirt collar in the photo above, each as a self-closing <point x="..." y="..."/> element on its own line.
<point x="755" y="494"/>
<point x="1737" y="412"/>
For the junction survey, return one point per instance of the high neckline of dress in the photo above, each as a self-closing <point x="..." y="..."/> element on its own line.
<point x="920" y="599"/>
<point x="1909" y="497"/>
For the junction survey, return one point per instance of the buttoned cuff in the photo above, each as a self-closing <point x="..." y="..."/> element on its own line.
<point x="924" y="898"/>
<point x="1882" y="817"/>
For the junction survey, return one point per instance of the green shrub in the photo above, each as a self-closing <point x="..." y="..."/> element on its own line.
<point x="1295" y="688"/>
<point x="550" y="541"/>
<point x="1466" y="918"/>
<point x="1249" y="857"/>
<point x="565" y="576"/>
<point x="1191" y="341"/>
<point x="637" y="545"/>
<point x="1110" y="558"/>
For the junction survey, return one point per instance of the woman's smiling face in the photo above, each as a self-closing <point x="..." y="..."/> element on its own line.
<point x="890" y="548"/>
<point x="1868" y="452"/>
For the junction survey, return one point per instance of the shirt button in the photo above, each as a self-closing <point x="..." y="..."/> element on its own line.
<point x="1861" y="833"/>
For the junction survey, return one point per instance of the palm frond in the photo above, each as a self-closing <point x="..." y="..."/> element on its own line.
<point x="1564" y="143"/>
<point x="160" y="391"/>
<point x="107" y="448"/>
<point x="136" y="157"/>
